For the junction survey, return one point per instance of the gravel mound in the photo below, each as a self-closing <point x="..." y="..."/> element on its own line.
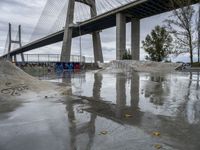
<point x="15" y="82"/>
<point x="141" y="66"/>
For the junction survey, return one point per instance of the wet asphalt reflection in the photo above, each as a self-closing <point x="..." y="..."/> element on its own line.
<point x="137" y="111"/>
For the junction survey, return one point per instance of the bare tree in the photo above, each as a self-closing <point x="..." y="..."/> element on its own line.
<point x="181" y="25"/>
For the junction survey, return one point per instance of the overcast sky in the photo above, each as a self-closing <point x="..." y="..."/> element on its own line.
<point x="27" y="13"/>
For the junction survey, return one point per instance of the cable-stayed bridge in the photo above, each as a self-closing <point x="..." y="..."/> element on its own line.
<point x="81" y="17"/>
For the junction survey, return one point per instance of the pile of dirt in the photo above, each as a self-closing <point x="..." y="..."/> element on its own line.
<point x="15" y="82"/>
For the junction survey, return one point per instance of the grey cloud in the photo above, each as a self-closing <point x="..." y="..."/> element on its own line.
<point x="24" y="12"/>
<point x="21" y="3"/>
<point x="27" y="13"/>
<point x="105" y="49"/>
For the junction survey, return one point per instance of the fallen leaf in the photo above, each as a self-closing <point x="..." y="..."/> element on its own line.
<point x="158" y="146"/>
<point x="156" y="133"/>
<point x="128" y="115"/>
<point x="103" y="133"/>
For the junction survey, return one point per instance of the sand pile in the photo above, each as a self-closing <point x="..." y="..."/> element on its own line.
<point x="141" y="66"/>
<point x="15" y="82"/>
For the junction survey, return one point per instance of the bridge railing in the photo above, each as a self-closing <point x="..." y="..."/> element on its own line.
<point x="49" y="58"/>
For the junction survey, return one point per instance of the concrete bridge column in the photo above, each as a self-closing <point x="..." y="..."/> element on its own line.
<point x="15" y="58"/>
<point x="98" y="55"/>
<point x="135" y="39"/>
<point x="67" y="39"/>
<point x="22" y="57"/>
<point x="9" y="46"/>
<point x="20" y="42"/>
<point x="120" y="35"/>
<point x="17" y="42"/>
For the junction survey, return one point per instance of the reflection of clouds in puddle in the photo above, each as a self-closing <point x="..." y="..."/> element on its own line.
<point x="161" y="95"/>
<point x="193" y="111"/>
<point x="134" y="107"/>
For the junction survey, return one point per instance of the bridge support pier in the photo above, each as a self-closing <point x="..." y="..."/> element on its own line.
<point x="10" y="42"/>
<point x="98" y="55"/>
<point x="67" y="39"/>
<point x="22" y="57"/>
<point x="120" y="35"/>
<point x="135" y="39"/>
<point x="19" y="41"/>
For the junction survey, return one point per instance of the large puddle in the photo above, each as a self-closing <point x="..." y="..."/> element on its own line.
<point x="168" y="95"/>
<point x="137" y="111"/>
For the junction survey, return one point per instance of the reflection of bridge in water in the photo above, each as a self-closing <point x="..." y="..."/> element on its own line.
<point x="150" y="90"/>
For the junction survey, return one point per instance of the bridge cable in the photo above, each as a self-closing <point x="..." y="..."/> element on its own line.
<point x="115" y="3"/>
<point x="46" y="18"/>
<point x="15" y="45"/>
<point x="83" y="12"/>
<point x="87" y="9"/>
<point x="108" y="2"/>
<point x="78" y="13"/>
<point x="52" y="8"/>
<point x="6" y="44"/>
<point x="60" y="21"/>
<point x="104" y="8"/>
<point x="107" y="5"/>
<point x="98" y="8"/>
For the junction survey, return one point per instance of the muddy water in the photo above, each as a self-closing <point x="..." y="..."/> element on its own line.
<point x="137" y="111"/>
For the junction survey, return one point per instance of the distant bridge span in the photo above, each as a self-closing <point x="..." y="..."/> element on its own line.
<point x="138" y="9"/>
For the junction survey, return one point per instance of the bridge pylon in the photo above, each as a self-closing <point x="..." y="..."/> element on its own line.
<point x="68" y="30"/>
<point x="121" y="36"/>
<point x="10" y="42"/>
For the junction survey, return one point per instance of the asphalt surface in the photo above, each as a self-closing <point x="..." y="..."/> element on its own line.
<point x="106" y="111"/>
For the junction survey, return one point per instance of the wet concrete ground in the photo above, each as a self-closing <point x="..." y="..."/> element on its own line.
<point x="138" y="111"/>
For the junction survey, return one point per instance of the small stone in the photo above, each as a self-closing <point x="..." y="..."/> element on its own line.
<point x="46" y="96"/>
